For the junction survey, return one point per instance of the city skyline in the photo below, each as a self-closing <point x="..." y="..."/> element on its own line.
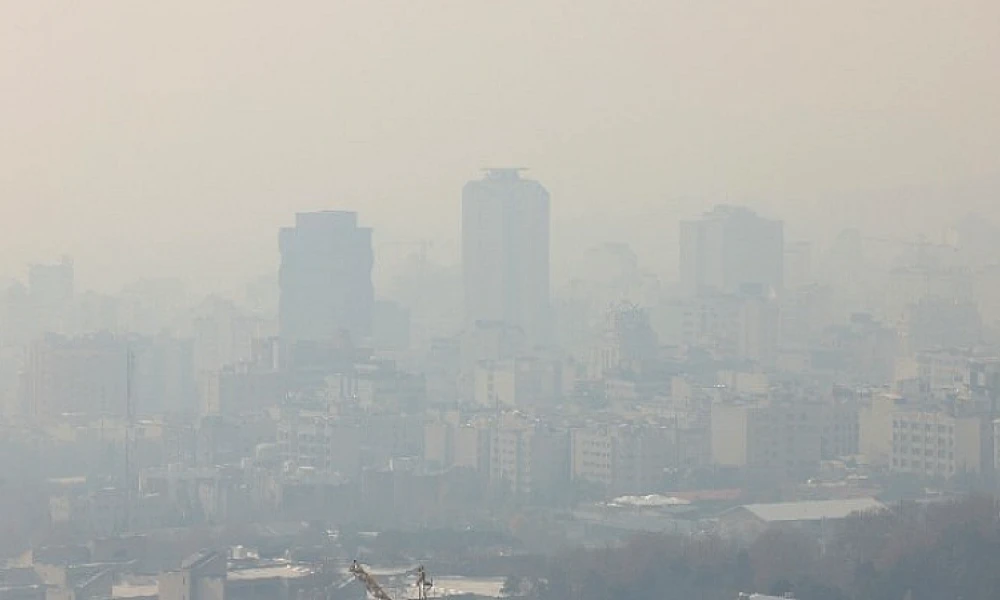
<point x="633" y="117"/>
<point x="549" y="300"/>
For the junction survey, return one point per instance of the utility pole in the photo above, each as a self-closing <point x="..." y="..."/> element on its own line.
<point x="129" y="435"/>
<point x="993" y="389"/>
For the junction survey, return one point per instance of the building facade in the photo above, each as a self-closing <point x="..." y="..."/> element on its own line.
<point x="729" y="250"/>
<point x="935" y="444"/>
<point x="505" y="252"/>
<point x="776" y="438"/>
<point x="624" y="459"/>
<point x="86" y="374"/>
<point x="325" y="278"/>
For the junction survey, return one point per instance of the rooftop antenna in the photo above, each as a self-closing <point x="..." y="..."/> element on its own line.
<point x="503" y="172"/>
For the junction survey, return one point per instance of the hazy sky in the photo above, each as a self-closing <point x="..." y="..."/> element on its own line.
<point x="175" y="137"/>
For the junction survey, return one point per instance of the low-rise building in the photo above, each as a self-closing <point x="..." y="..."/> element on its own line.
<point x="815" y="516"/>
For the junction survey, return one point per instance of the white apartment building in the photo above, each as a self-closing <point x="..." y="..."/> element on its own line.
<point x="936" y="444"/>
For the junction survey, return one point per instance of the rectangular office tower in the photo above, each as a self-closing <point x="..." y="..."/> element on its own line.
<point x="505" y="252"/>
<point x="325" y="278"/>
<point x="732" y="250"/>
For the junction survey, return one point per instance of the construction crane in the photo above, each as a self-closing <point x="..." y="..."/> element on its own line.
<point x="424" y="584"/>
<point x="374" y="589"/>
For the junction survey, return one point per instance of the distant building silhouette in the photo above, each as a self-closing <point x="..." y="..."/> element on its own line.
<point x="50" y="290"/>
<point x="729" y="250"/>
<point x="505" y="252"/>
<point x="325" y="278"/>
<point x="87" y="375"/>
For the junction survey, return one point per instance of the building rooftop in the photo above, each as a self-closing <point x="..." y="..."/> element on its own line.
<point x="817" y="510"/>
<point x="503" y="172"/>
<point x="275" y="571"/>
<point x="134" y="590"/>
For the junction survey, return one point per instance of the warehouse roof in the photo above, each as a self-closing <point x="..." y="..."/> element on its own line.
<point x="816" y="510"/>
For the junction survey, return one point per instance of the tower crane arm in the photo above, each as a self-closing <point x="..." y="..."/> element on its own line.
<point x="374" y="589"/>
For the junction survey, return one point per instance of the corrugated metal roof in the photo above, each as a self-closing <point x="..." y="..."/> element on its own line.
<point x="812" y="511"/>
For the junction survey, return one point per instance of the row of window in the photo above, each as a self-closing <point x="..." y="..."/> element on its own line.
<point x="898" y="424"/>
<point x="919" y="439"/>
<point x="918" y="452"/>
<point x="924" y="466"/>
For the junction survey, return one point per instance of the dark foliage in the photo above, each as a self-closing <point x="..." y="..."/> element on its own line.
<point x="920" y="553"/>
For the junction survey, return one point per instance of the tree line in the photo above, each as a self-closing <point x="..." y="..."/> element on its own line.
<point x="939" y="551"/>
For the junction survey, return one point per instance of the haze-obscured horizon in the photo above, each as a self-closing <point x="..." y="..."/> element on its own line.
<point x="175" y="138"/>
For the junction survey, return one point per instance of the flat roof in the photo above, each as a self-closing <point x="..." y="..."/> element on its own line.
<point x="131" y="590"/>
<point x="816" y="510"/>
<point x="284" y="571"/>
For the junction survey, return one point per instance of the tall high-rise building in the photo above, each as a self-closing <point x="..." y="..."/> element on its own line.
<point x="505" y="252"/>
<point x="50" y="289"/>
<point x="325" y="278"/>
<point x="731" y="250"/>
<point x="52" y="284"/>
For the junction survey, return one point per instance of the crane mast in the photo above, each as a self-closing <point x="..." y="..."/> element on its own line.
<point x="424" y="584"/>
<point x="376" y="591"/>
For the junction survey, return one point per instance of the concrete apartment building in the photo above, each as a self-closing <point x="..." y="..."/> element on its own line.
<point x="777" y="438"/>
<point x="377" y="385"/>
<point x="840" y="433"/>
<point x="490" y="341"/>
<point x="728" y="326"/>
<point x="453" y="445"/>
<point x="76" y="375"/>
<point x="935" y="444"/>
<point x="325" y="443"/>
<point x="528" y="458"/>
<point x="628" y="345"/>
<point x="624" y="459"/>
<point x="730" y="249"/>
<point x="875" y="427"/>
<point x="518" y="382"/>
<point x="505" y="252"/>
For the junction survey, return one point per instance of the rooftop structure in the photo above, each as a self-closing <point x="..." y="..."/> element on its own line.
<point x="817" y="510"/>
